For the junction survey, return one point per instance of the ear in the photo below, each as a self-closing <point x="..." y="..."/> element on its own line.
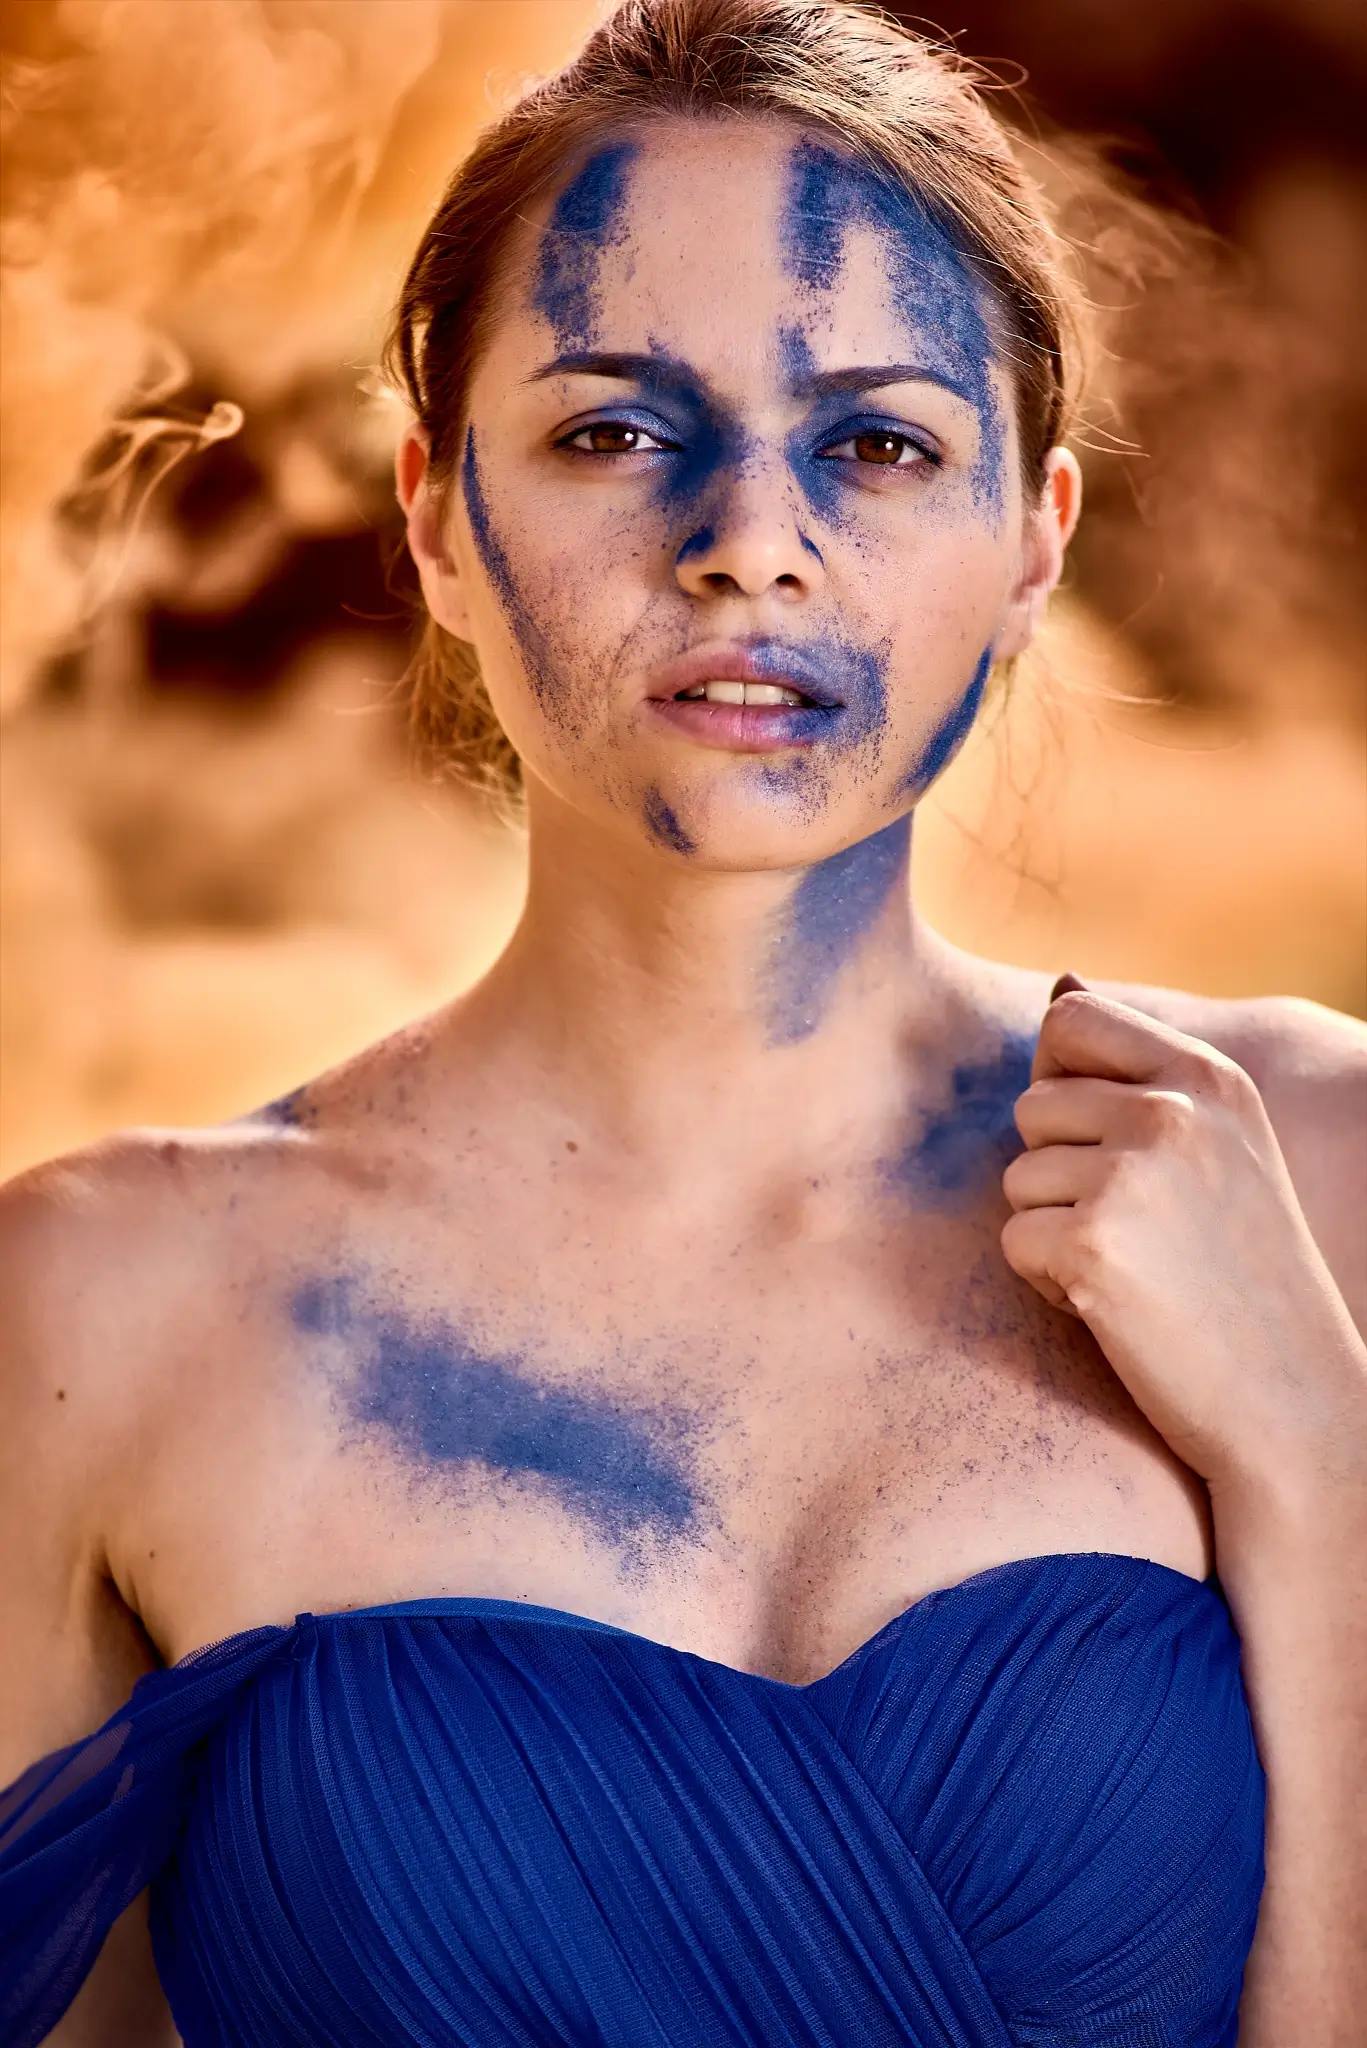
<point x="443" y="586"/>
<point x="1048" y="528"/>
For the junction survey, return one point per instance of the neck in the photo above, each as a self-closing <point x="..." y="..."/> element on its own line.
<point x="659" y="1002"/>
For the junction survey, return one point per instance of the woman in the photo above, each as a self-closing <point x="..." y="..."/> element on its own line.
<point x="746" y="1510"/>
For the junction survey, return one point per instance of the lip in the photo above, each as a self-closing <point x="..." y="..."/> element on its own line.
<point x="746" y="728"/>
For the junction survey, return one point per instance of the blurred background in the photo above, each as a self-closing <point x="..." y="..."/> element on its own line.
<point x="218" y="870"/>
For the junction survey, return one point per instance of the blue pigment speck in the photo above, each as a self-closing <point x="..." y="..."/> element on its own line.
<point x="440" y="1404"/>
<point x="833" y="907"/>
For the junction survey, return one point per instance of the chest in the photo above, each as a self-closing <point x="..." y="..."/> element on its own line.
<point x="759" y="1447"/>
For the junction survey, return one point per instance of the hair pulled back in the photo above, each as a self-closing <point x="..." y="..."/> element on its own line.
<point x="906" y="106"/>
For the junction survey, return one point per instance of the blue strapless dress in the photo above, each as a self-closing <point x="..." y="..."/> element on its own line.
<point x="1029" y="1810"/>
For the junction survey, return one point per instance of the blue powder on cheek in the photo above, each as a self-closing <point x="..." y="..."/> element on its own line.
<point x="971" y="1139"/>
<point x="441" y="1405"/>
<point x="950" y="734"/>
<point x="530" y="639"/>
<point x="933" y="285"/>
<point x="834" y="905"/>
<point x="587" y="219"/>
<point x="663" y="826"/>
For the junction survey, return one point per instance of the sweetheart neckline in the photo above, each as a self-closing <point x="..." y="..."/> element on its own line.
<point x="475" y="1606"/>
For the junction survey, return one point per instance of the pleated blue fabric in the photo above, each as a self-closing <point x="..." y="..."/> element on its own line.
<point x="1029" y="1810"/>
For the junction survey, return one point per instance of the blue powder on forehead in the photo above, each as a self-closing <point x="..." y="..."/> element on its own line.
<point x="834" y="906"/>
<point x="587" y="219"/>
<point x="934" y="288"/>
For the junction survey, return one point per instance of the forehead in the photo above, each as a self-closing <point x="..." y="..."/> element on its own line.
<point x="713" y="234"/>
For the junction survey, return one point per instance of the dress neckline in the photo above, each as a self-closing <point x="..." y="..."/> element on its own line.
<point x="476" y="1607"/>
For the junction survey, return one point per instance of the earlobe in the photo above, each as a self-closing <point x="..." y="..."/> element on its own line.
<point x="1049" y="529"/>
<point x="438" y="571"/>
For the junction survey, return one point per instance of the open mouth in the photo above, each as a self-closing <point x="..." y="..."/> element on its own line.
<point x="729" y="691"/>
<point x="748" y="697"/>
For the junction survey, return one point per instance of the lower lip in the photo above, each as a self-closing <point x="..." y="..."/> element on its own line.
<point x="746" y="728"/>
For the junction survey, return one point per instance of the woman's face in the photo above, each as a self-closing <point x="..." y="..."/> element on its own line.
<point x="737" y="525"/>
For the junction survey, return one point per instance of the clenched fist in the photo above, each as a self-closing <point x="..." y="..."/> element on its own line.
<point x="1153" y="1201"/>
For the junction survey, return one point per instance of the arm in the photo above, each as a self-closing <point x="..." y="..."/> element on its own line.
<point x="1154" y="1201"/>
<point x="72" y="1650"/>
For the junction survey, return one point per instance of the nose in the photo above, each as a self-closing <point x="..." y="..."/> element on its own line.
<point x="750" y="543"/>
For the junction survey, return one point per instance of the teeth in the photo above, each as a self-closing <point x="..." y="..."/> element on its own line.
<point x="743" y="693"/>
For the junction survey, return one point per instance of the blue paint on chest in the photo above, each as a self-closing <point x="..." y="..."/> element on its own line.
<point x="442" y="1405"/>
<point x="662" y="824"/>
<point x="587" y="218"/>
<point x="971" y="1138"/>
<point x="933" y="284"/>
<point x="833" y="907"/>
<point x="950" y="734"/>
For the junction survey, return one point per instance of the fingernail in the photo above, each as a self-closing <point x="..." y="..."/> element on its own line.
<point x="1065" y="986"/>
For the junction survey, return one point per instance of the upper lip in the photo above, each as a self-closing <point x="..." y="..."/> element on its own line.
<point x="759" y="662"/>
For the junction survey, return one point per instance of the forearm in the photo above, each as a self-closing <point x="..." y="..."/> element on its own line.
<point x="1291" y="1549"/>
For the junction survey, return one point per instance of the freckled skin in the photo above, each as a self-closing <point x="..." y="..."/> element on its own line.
<point x="675" y="1290"/>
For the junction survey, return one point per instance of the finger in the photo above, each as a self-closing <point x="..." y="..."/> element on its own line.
<point x="1066" y="985"/>
<point x="1033" y="1245"/>
<point x="1073" y="1109"/>
<point x="1084" y="1033"/>
<point x="1057" y="1176"/>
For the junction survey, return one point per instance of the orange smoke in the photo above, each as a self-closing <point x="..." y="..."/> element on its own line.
<point x="217" y="873"/>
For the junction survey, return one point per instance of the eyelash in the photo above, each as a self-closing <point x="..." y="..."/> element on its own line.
<point x="880" y="431"/>
<point x="855" y="431"/>
<point x="653" y="432"/>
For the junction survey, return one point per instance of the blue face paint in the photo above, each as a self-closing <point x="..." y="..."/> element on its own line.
<point x="934" y="288"/>
<point x="834" y="906"/>
<point x="663" y="826"/>
<point x="950" y="734"/>
<point x="587" y="218"/>
<point x="529" y="636"/>
<point x="698" y="543"/>
<point x="968" y="1143"/>
<point x="442" y="1406"/>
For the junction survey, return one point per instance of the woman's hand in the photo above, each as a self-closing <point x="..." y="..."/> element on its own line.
<point x="1153" y="1201"/>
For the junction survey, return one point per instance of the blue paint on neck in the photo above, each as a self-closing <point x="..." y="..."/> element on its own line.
<point x="663" y="826"/>
<point x="967" y="1142"/>
<point x="587" y="218"/>
<point x="835" y="905"/>
<point x="443" y="1407"/>
<point x="950" y="734"/>
<point x="933" y="284"/>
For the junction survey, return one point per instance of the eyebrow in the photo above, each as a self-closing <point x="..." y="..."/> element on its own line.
<point x="667" y="372"/>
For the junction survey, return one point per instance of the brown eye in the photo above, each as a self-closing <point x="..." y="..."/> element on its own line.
<point x="880" y="447"/>
<point x="608" y="438"/>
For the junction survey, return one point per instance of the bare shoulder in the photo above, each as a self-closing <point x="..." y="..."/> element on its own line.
<point x="1310" y="1066"/>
